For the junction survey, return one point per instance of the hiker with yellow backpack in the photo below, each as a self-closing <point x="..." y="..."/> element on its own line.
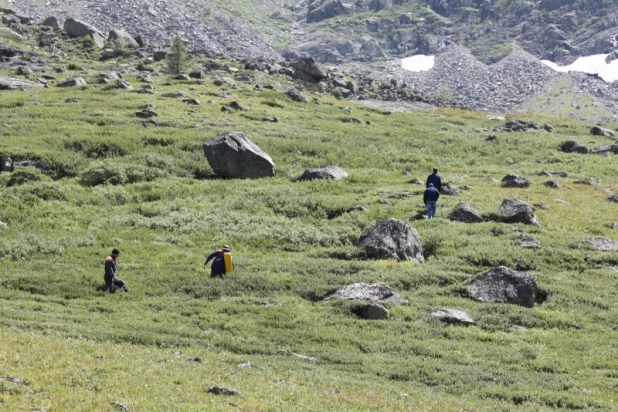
<point x="222" y="263"/>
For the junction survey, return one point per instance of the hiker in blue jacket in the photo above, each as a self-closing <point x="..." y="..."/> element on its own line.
<point x="434" y="179"/>
<point x="217" y="269"/>
<point x="430" y="198"/>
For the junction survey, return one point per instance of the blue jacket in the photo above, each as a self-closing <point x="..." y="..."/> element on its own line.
<point x="431" y="195"/>
<point x="435" y="179"/>
<point x="110" y="267"/>
<point x="218" y="262"/>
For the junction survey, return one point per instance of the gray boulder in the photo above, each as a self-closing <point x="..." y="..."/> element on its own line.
<point x="452" y="316"/>
<point x="308" y="69"/>
<point x="504" y="285"/>
<point x="233" y="155"/>
<point x="552" y="184"/>
<point x="369" y="292"/>
<point x="7" y="83"/>
<point x="6" y="164"/>
<point x="371" y="311"/>
<point x="392" y="239"/>
<point x="72" y="82"/>
<point x="613" y="198"/>
<point x="601" y="131"/>
<point x="51" y="22"/>
<point x="328" y="172"/>
<point x="571" y="146"/>
<point x="448" y="189"/>
<point x="297" y="95"/>
<point x="516" y="211"/>
<point x="463" y="212"/>
<point x="122" y="37"/>
<point x="603" y="244"/>
<point x="78" y="28"/>
<point x="529" y="243"/>
<point x="24" y="71"/>
<point x="514" y="180"/>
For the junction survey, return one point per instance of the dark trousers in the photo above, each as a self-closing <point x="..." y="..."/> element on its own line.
<point x="112" y="282"/>
<point x="217" y="273"/>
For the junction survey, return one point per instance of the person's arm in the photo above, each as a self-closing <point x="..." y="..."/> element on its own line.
<point x="210" y="257"/>
<point x="428" y="181"/>
<point x="439" y="184"/>
<point x="425" y="198"/>
<point x="109" y="268"/>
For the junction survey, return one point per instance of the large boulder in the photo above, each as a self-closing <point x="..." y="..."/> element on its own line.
<point x="7" y="83"/>
<point x="514" y="180"/>
<point x="297" y="95"/>
<point x="602" y="244"/>
<point x="516" y="211"/>
<point x="504" y="285"/>
<point x="601" y="131"/>
<point x="72" y="82"/>
<point x="392" y="239"/>
<point x="448" y="189"/>
<point x="233" y="155"/>
<point x="78" y="28"/>
<point x="51" y="22"/>
<point x="463" y="212"/>
<point x="452" y="316"/>
<point x="571" y="146"/>
<point x="369" y="292"/>
<point x="308" y="69"/>
<point x="122" y="37"/>
<point x="328" y="172"/>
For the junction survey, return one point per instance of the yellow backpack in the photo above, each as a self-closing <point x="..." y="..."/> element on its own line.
<point x="229" y="262"/>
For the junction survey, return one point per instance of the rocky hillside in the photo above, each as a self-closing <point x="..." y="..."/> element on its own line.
<point x="557" y="30"/>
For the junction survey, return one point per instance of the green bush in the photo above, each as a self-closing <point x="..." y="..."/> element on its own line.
<point x="106" y="172"/>
<point x="23" y="175"/>
<point x="96" y="149"/>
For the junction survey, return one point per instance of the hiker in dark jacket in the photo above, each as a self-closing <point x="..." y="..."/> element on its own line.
<point x="217" y="269"/>
<point x="434" y="179"/>
<point x="430" y="198"/>
<point x="111" y="281"/>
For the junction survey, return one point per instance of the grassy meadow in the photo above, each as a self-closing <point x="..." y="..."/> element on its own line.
<point x="111" y="182"/>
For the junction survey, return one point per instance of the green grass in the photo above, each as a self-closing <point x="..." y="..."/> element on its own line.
<point x="81" y="348"/>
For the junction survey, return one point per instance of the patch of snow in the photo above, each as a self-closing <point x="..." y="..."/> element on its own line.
<point x="418" y="63"/>
<point x="594" y="64"/>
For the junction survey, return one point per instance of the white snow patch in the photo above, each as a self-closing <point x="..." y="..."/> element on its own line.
<point x="590" y="64"/>
<point x="418" y="63"/>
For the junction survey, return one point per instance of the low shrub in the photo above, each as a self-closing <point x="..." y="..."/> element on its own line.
<point x="23" y="175"/>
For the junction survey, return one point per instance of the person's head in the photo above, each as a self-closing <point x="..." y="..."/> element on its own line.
<point x="435" y="170"/>
<point x="226" y="248"/>
<point x="115" y="253"/>
<point x="430" y="184"/>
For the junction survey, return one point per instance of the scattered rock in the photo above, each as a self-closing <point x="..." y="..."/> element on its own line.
<point x="369" y="292"/>
<point x="72" y="82"/>
<point x="504" y="285"/>
<point x="147" y="89"/>
<point x="448" y="189"/>
<point x="527" y="242"/>
<point x="571" y="146"/>
<point x="296" y="95"/>
<point x="516" y="211"/>
<point x="147" y="114"/>
<point x="51" y="22"/>
<point x="78" y="28"/>
<point x="552" y="184"/>
<point x="372" y="311"/>
<point x="603" y="244"/>
<point x="392" y="239"/>
<point x="463" y="212"/>
<point x="220" y="390"/>
<point x="233" y="155"/>
<point x="193" y="102"/>
<point x="309" y="69"/>
<point x="601" y="131"/>
<point x="613" y="198"/>
<point x="24" y="71"/>
<point x="514" y="180"/>
<point x="198" y="74"/>
<point x="183" y="77"/>
<point x="235" y="105"/>
<point x="519" y="126"/>
<point x="122" y="37"/>
<point x="173" y="95"/>
<point x="122" y="84"/>
<point x="416" y="181"/>
<point x="328" y="172"/>
<point x="452" y="316"/>
<point x="7" y="83"/>
<point x="72" y="100"/>
<point x="119" y="406"/>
